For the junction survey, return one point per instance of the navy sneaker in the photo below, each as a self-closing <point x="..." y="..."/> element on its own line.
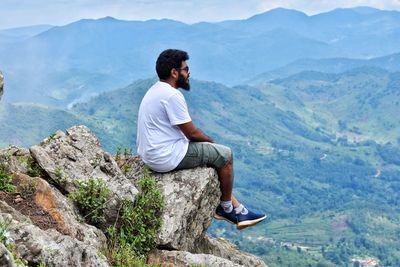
<point x="220" y="214"/>
<point x="249" y="219"/>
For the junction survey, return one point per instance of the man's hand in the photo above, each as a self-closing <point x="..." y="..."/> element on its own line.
<point x="194" y="134"/>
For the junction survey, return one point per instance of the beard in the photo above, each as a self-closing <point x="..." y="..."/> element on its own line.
<point x="183" y="83"/>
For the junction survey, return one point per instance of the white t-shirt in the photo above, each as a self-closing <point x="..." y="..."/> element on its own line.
<point x="161" y="144"/>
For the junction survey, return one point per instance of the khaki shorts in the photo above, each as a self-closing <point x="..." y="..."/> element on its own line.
<point x="205" y="154"/>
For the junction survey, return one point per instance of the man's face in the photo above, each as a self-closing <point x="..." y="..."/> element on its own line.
<point x="183" y="77"/>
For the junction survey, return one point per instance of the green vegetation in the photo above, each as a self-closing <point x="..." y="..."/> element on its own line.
<point x="118" y="154"/>
<point x="140" y="222"/>
<point x="4" y="227"/>
<point x="134" y="232"/>
<point x="306" y="147"/>
<point x="5" y="180"/>
<point x="91" y="197"/>
<point x="27" y="188"/>
<point x="34" y="169"/>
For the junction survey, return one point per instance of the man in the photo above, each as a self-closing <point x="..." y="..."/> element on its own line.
<point x="168" y="140"/>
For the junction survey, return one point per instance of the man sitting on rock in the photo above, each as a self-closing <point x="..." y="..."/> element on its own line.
<point x="168" y="140"/>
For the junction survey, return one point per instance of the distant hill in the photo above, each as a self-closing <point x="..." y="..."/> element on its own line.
<point x="328" y="65"/>
<point x="9" y="36"/>
<point x="70" y="63"/>
<point x="360" y="103"/>
<point x="323" y="188"/>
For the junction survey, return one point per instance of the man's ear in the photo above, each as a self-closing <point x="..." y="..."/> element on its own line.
<point x="174" y="73"/>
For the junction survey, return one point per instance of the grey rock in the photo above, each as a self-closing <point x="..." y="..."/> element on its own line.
<point x="62" y="210"/>
<point x="49" y="247"/>
<point x="77" y="155"/>
<point x="16" y="159"/>
<point x="1" y="84"/>
<point x="224" y="249"/>
<point x="191" y="197"/>
<point x="6" y="258"/>
<point x="187" y="259"/>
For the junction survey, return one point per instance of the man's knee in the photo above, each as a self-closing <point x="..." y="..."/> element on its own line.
<point x="225" y="156"/>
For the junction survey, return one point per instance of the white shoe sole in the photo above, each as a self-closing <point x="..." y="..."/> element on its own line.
<point x="219" y="217"/>
<point x="245" y="224"/>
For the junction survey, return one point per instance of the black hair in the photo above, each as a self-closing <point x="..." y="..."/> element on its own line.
<point x="169" y="59"/>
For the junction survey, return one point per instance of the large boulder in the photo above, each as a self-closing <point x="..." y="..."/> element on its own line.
<point x="36" y="246"/>
<point x="40" y="193"/>
<point x="1" y="84"/>
<point x="61" y="210"/>
<point x="191" y="197"/>
<point x="77" y="155"/>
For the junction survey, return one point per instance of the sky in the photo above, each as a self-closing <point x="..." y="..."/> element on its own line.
<point x="17" y="13"/>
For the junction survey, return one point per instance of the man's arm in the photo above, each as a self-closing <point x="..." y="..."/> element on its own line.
<point x="194" y="134"/>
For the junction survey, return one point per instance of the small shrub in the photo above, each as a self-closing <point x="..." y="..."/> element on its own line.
<point x="118" y="154"/>
<point x="5" y="180"/>
<point x="18" y="261"/>
<point x="91" y="198"/>
<point x="134" y="233"/>
<point x="34" y="169"/>
<point x="119" y="253"/>
<point x="140" y="222"/>
<point x="48" y="139"/>
<point x="4" y="227"/>
<point x="126" y="169"/>
<point x="127" y="152"/>
<point x="58" y="173"/>
<point x="27" y="188"/>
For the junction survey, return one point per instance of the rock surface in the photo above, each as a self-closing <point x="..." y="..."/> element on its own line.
<point x="62" y="210"/>
<point x="1" y="84"/>
<point x="16" y="159"/>
<point x="77" y="155"/>
<point x="49" y="247"/>
<point x="6" y="258"/>
<point x="191" y="198"/>
<point x="187" y="259"/>
<point x="224" y="249"/>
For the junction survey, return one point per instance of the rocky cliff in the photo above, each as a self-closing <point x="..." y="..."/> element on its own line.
<point x="40" y="224"/>
<point x="1" y="84"/>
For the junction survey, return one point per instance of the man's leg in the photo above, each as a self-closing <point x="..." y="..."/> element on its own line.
<point x="225" y="176"/>
<point x="230" y="208"/>
<point x="220" y="157"/>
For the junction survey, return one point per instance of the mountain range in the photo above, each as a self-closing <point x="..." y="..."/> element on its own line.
<point x="309" y="105"/>
<point x="66" y="64"/>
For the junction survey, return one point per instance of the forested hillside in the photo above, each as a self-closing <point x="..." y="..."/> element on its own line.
<point x="327" y="179"/>
<point x="309" y="105"/>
